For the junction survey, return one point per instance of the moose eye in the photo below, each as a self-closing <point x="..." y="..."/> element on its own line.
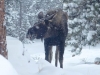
<point x="47" y="15"/>
<point x="37" y="27"/>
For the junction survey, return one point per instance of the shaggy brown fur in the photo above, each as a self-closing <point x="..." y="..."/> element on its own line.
<point x="56" y="22"/>
<point x="58" y="16"/>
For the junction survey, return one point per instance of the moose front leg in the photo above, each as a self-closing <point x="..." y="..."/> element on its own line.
<point x="51" y="53"/>
<point x="48" y="53"/>
<point x="56" y="56"/>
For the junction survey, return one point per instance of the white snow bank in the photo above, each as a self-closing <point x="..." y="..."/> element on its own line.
<point x="45" y="68"/>
<point x="23" y="64"/>
<point x="33" y="63"/>
<point x="6" y="68"/>
<point x="26" y="66"/>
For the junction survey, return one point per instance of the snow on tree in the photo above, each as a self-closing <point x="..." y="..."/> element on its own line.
<point x="84" y="23"/>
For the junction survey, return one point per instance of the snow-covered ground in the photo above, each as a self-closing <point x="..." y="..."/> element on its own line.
<point x="6" y="68"/>
<point x="28" y="59"/>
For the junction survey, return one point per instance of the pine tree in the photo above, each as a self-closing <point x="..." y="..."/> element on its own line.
<point x="83" y="23"/>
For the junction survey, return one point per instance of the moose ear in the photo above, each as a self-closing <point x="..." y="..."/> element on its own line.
<point x="37" y="27"/>
<point x="49" y="17"/>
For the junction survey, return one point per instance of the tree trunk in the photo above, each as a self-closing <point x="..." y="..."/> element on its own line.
<point x="3" y="50"/>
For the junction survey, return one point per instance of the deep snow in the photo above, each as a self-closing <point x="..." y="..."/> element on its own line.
<point x="28" y="59"/>
<point x="6" y="68"/>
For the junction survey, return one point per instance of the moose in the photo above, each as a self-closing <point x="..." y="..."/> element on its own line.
<point x="53" y="29"/>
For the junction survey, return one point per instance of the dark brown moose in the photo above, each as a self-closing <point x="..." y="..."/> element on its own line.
<point x="53" y="29"/>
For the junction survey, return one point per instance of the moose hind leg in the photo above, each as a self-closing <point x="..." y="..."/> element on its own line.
<point x="51" y="53"/>
<point x="61" y="52"/>
<point x="56" y="56"/>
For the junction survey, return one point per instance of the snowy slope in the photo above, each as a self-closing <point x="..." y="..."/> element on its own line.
<point x="20" y="62"/>
<point x="33" y="63"/>
<point x="6" y="68"/>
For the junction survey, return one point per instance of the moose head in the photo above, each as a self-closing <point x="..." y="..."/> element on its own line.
<point x="40" y="28"/>
<point x="37" y="31"/>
